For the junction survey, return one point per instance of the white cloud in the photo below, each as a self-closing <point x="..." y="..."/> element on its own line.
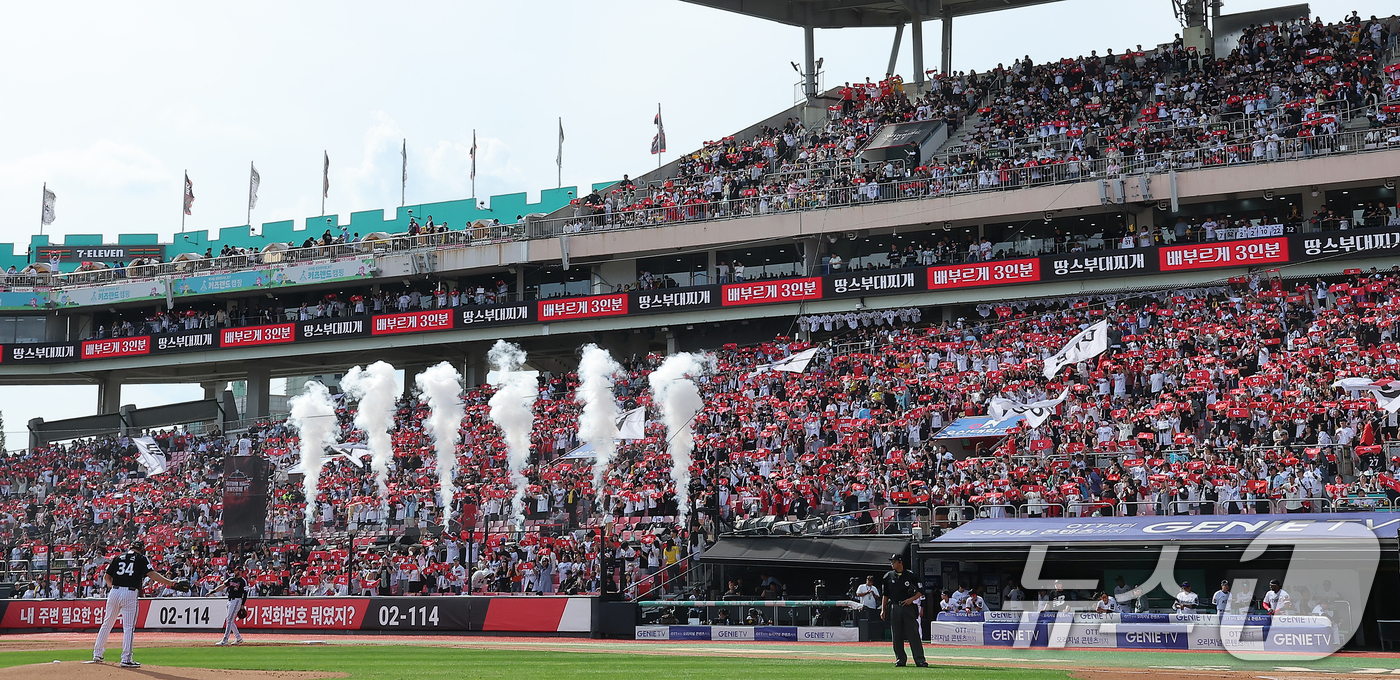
<point x="105" y="164"/>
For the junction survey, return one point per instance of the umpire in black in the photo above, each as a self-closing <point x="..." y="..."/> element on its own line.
<point x="898" y="609"/>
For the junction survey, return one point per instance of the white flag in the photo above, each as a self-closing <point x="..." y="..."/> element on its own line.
<point x="796" y="363"/>
<point x="149" y="455"/>
<point x="633" y="424"/>
<point x="49" y="198"/>
<point x="1089" y="343"/>
<point x="253" y="181"/>
<point x="1036" y="412"/>
<point x="1386" y="392"/>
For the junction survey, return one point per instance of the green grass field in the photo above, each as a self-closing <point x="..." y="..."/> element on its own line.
<point x="432" y="663"/>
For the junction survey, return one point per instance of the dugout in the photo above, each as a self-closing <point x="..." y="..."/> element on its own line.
<point x="1151" y="551"/>
<point x="810" y="567"/>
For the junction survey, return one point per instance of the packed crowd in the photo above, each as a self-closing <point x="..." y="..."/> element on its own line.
<point x="1284" y="92"/>
<point x="1213" y="400"/>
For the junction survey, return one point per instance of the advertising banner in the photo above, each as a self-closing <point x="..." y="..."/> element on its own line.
<point x="245" y="497"/>
<point x="478" y="317"/>
<point x="252" y="336"/>
<point x="412" y="322"/>
<point x="1092" y="265"/>
<point x="101" y="253"/>
<point x="977" y="274"/>
<point x="339" y="613"/>
<point x="39" y="353"/>
<point x="1230" y="254"/>
<point x="107" y="294"/>
<point x="332" y="329"/>
<point x="1193" y="528"/>
<point x="344" y="269"/>
<point x="749" y="633"/>
<point x="767" y="292"/>
<point x="184" y="342"/>
<point x="567" y="309"/>
<point x="875" y="283"/>
<point x="184" y="613"/>
<point x="117" y="347"/>
<point x="680" y="300"/>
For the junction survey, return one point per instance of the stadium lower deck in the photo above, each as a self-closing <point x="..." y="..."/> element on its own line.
<point x="1081" y="663"/>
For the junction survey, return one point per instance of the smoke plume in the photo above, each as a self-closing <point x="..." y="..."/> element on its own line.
<point x="512" y="410"/>
<point x="313" y="417"/>
<point x="679" y="400"/>
<point x="441" y="388"/>
<point x="376" y="390"/>
<point x="597" y="425"/>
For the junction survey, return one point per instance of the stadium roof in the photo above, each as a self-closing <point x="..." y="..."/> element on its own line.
<point x="859" y="13"/>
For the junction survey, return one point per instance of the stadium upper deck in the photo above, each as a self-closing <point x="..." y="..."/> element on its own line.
<point x="1138" y="169"/>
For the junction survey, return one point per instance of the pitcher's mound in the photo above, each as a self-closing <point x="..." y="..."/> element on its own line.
<point x="77" y="670"/>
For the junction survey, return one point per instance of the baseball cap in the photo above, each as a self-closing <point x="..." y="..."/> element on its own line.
<point x="1225" y="582"/>
<point x="138" y="545"/>
<point x="1273" y="582"/>
<point x="1185" y="584"/>
<point x="897" y="557"/>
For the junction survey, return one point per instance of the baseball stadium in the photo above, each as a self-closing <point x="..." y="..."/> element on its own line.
<point x="1074" y="367"/>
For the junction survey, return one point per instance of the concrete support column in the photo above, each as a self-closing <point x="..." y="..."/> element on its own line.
<point x="410" y="378"/>
<point x="712" y="266"/>
<point x="811" y="255"/>
<point x="670" y="343"/>
<point x="109" y="395"/>
<point x="212" y="390"/>
<point x="520" y="282"/>
<point x="894" y="49"/>
<point x="809" y="63"/>
<point x="917" y="33"/>
<point x="258" y="402"/>
<point x="474" y="368"/>
<point x="946" y="63"/>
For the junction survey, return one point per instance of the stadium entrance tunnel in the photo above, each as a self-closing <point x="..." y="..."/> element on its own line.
<point x="1033" y="570"/>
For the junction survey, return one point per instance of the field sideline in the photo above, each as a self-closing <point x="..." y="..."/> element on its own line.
<point x="174" y="656"/>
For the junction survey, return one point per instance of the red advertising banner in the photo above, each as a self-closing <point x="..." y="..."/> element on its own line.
<point x="1224" y="254"/>
<point x="984" y="274"/>
<point x="761" y="292"/>
<point x="582" y="308"/>
<point x="64" y="614"/>
<point x="340" y="613"/>
<point x="251" y="336"/>
<point x="117" y="347"/>
<point x="412" y="322"/>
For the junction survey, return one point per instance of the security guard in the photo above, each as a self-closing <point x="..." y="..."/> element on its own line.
<point x="898" y="609"/>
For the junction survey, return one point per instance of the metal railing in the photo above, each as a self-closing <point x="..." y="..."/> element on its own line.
<point x="926" y="185"/>
<point x="842" y="192"/>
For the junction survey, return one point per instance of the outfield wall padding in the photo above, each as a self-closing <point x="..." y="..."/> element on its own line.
<point x="417" y="614"/>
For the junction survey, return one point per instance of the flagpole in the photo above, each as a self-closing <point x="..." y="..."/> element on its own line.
<point x="658" y="135"/>
<point x="559" y="158"/>
<point x="250" y="196"/>
<point x="182" y="201"/>
<point x="43" y="199"/>
<point x="324" y="170"/>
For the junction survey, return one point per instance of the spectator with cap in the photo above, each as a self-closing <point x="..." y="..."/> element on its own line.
<point x="897" y="608"/>
<point x="1186" y="600"/>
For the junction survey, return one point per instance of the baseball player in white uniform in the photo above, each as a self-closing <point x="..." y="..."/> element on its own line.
<point x="125" y="575"/>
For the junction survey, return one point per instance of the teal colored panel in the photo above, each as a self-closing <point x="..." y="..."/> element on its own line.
<point x="456" y="213"/>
